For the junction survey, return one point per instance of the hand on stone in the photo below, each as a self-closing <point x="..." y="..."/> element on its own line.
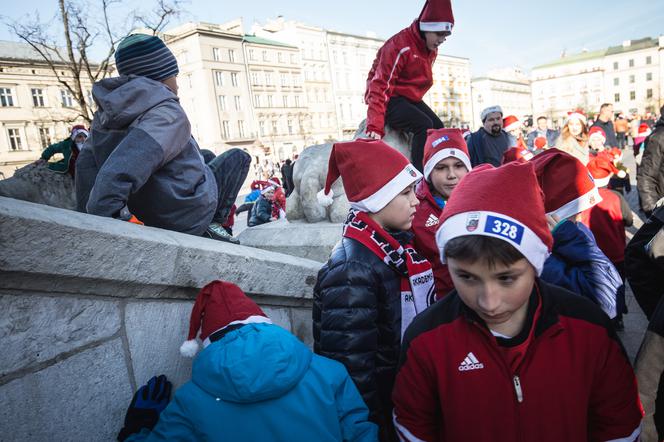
<point x="374" y="135"/>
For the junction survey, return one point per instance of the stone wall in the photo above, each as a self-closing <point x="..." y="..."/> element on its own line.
<point x="91" y="308"/>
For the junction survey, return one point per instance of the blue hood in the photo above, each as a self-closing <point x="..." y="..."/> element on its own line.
<point x="254" y="363"/>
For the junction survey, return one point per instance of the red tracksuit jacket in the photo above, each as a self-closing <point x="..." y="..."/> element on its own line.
<point x="425" y="225"/>
<point x="402" y="67"/>
<point x="571" y="379"/>
<point x="607" y="220"/>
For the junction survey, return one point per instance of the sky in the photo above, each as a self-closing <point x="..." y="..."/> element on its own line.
<point x="491" y="34"/>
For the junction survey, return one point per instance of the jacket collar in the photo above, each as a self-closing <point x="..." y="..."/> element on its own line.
<point x="423" y="192"/>
<point x="414" y="31"/>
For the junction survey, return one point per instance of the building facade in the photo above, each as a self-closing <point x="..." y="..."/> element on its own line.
<point x="35" y="109"/>
<point x="630" y="76"/>
<point x="509" y="88"/>
<point x="351" y="57"/>
<point x="316" y="70"/>
<point x="450" y="95"/>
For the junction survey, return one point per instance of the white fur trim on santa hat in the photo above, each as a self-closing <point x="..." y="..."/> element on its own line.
<point x="256" y="319"/>
<point x="578" y="116"/>
<point x="602" y="182"/>
<point x="622" y="174"/>
<point x="189" y="348"/>
<point x="512" y="126"/>
<point x="597" y="135"/>
<point x="77" y="132"/>
<point x="495" y="225"/>
<point x="385" y="194"/>
<point x="441" y="155"/>
<point x="325" y="199"/>
<point x="490" y="110"/>
<point x="584" y="202"/>
<point x="436" y="26"/>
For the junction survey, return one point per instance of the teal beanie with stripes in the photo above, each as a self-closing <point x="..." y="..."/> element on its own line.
<point x="145" y="55"/>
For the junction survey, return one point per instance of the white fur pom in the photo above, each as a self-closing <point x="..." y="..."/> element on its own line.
<point x="621" y="174"/>
<point x="189" y="348"/>
<point x="325" y="199"/>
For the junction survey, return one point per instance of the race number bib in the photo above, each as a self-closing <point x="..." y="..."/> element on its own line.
<point x="504" y="228"/>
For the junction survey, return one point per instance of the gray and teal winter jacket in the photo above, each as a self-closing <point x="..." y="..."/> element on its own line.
<point x="141" y="154"/>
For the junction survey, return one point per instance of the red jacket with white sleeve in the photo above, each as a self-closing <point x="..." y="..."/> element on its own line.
<point x="402" y="67"/>
<point x="566" y="378"/>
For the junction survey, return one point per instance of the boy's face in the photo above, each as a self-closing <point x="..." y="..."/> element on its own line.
<point x="435" y="39"/>
<point x="499" y="294"/>
<point x="446" y="174"/>
<point x="399" y="213"/>
<point x="597" y="143"/>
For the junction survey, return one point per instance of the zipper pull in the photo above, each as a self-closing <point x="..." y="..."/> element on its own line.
<point x="517" y="388"/>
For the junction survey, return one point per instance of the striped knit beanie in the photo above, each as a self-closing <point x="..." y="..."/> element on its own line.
<point x="145" y="55"/>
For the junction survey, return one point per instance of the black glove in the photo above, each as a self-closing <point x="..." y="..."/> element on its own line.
<point x="145" y="406"/>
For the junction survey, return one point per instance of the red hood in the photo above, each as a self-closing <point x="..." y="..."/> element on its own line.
<point x="414" y="31"/>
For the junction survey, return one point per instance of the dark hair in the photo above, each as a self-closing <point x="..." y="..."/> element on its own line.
<point x="288" y="162"/>
<point x="472" y="248"/>
<point x="604" y="106"/>
<point x="542" y="117"/>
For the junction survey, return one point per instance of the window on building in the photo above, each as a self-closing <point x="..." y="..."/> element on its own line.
<point x="221" y="99"/>
<point x="297" y="101"/>
<point x="15" y="139"/>
<point x="216" y="54"/>
<point x="284" y="79"/>
<point x="632" y="78"/>
<point x="225" y="130"/>
<point x="274" y="127"/>
<point x="284" y="100"/>
<point x="238" y="103"/>
<point x="290" y="127"/>
<point x="293" y="59"/>
<point x="45" y="137"/>
<point x="631" y="62"/>
<point x="6" y="97"/>
<point x="254" y="78"/>
<point x="270" y="101"/>
<point x="257" y="100"/>
<point x="67" y="98"/>
<point x="615" y="65"/>
<point x="632" y="95"/>
<point x="234" y="79"/>
<point x="268" y="79"/>
<point x="648" y="93"/>
<point x="616" y="98"/>
<point x="231" y="55"/>
<point x="38" y="97"/>
<point x="266" y="56"/>
<point x="252" y="55"/>
<point x="648" y="59"/>
<point x="649" y="76"/>
<point x="280" y="57"/>
<point x="219" y="78"/>
<point x="616" y="81"/>
<point x="240" y="128"/>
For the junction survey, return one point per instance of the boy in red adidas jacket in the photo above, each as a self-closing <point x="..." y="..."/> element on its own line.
<point x="402" y="74"/>
<point x="446" y="161"/>
<point x="506" y="356"/>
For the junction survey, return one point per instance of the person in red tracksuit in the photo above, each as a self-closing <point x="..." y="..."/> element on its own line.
<point x="402" y="74"/>
<point x="507" y="356"/>
<point x="446" y="161"/>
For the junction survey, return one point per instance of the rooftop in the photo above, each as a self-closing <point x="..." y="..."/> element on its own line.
<point x="574" y="58"/>
<point x="14" y="50"/>
<point x="266" y="41"/>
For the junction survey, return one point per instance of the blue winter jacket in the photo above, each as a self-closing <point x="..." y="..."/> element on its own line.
<point x="260" y="383"/>
<point x="578" y="265"/>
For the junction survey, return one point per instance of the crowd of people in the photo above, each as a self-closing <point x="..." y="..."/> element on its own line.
<point x="476" y="290"/>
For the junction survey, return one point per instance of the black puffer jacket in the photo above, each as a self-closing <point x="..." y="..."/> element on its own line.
<point x="650" y="176"/>
<point x="261" y="212"/>
<point x="357" y="321"/>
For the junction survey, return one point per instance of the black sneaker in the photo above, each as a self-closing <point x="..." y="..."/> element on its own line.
<point x="216" y="231"/>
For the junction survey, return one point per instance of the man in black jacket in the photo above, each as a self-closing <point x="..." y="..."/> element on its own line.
<point x="650" y="175"/>
<point x="605" y="121"/>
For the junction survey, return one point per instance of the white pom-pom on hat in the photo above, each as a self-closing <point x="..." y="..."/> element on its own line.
<point x="189" y="348"/>
<point x="325" y="199"/>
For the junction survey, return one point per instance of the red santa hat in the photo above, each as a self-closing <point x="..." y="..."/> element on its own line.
<point x="597" y="132"/>
<point x="517" y="154"/>
<point x="480" y="206"/>
<point x="577" y="114"/>
<point x="441" y="144"/>
<point x="540" y="142"/>
<point x="643" y="133"/>
<point x="436" y="16"/>
<point x="373" y="174"/>
<point x="510" y="123"/>
<point x="602" y="168"/>
<point x="78" y="130"/>
<point x="568" y="187"/>
<point x="219" y="305"/>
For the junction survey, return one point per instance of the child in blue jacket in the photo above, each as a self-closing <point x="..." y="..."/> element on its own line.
<point x="576" y="262"/>
<point x="253" y="381"/>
